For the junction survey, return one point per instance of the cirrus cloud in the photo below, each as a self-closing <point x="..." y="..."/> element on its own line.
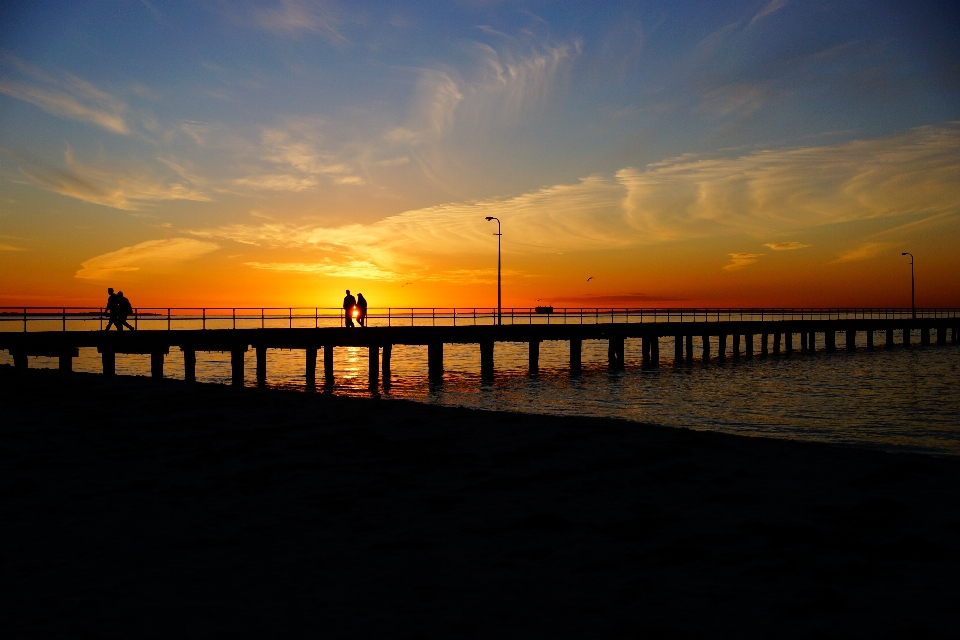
<point x="152" y="253"/>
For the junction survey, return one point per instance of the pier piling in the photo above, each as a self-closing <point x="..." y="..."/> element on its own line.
<point x="310" y="374"/>
<point x="776" y="344"/>
<point x="615" y="353"/>
<point x="722" y="347"/>
<point x="486" y="358"/>
<point x="689" y="339"/>
<point x="736" y="346"/>
<point x="941" y="335"/>
<point x="435" y="360"/>
<point x="706" y="347"/>
<point x="678" y="349"/>
<point x="328" y="364"/>
<point x="261" y="366"/>
<point x="385" y="359"/>
<point x="156" y="364"/>
<point x="109" y="360"/>
<point x="788" y="343"/>
<point x="748" y="345"/>
<point x="906" y="336"/>
<point x="189" y="365"/>
<point x="764" y="338"/>
<point x="870" y="339"/>
<point x="373" y="366"/>
<point x="889" y="337"/>
<point x="925" y="336"/>
<point x="236" y="365"/>
<point x="576" y="349"/>
<point x="655" y="351"/>
<point x="533" y="358"/>
<point x="851" y="336"/>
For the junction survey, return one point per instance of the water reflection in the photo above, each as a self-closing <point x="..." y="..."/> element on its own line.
<point x="890" y="397"/>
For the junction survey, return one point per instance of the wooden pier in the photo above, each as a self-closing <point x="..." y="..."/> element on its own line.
<point x="748" y="338"/>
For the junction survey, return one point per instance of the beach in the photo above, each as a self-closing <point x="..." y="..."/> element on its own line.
<point x="133" y="507"/>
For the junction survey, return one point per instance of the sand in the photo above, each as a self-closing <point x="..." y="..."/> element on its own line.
<point x="132" y="508"/>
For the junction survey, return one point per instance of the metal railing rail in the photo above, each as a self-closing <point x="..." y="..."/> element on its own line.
<point x="177" y="318"/>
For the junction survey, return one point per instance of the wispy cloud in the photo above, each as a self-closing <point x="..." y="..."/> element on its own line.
<point x="761" y="193"/>
<point x="866" y="251"/>
<point x="10" y="247"/>
<point x="740" y="260"/>
<point x="786" y="246"/>
<point x="291" y="17"/>
<point x="65" y="96"/>
<point x="118" y="188"/>
<point x="770" y="8"/>
<point x="153" y="253"/>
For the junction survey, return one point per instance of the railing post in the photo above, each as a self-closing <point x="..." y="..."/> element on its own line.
<point x="261" y="317"/>
<point x="316" y="322"/>
<point x="24" y="319"/>
<point x="64" y="311"/>
<point x="290" y="312"/>
<point x="136" y="318"/>
<point x="204" y="316"/>
<point x="233" y="314"/>
<point x="168" y="319"/>
<point x="388" y="316"/>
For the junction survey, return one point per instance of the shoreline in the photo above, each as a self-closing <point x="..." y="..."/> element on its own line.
<point x="197" y="509"/>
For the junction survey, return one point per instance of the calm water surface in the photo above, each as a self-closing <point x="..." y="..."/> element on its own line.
<point x="895" y="399"/>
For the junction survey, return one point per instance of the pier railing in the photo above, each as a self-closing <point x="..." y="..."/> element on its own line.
<point x="172" y="318"/>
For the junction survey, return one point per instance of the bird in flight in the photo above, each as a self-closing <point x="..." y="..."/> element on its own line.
<point x="405" y="284"/>
<point x="590" y="278"/>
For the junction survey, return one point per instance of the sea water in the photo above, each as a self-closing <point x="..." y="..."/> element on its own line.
<point x="890" y="398"/>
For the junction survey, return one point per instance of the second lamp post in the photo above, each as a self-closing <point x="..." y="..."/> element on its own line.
<point x="499" y="291"/>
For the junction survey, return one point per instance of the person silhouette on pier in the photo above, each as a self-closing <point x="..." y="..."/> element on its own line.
<point x="111" y="309"/>
<point x="362" y="308"/>
<point x="123" y="310"/>
<point x="349" y="303"/>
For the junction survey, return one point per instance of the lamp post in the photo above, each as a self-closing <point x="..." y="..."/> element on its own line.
<point x="913" y="291"/>
<point x="499" y="291"/>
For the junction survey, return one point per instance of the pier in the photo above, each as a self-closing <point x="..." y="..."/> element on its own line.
<point x="61" y="333"/>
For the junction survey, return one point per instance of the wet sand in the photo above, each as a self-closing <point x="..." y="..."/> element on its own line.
<point x="135" y="508"/>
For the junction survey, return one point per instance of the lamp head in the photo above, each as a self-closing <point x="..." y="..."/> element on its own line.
<point x="904" y="253"/>
<point x="488" y="218"/>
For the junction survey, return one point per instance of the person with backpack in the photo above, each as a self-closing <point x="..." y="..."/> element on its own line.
<point x="112" y="309"/>
<point x="123" y="310"/>
<point x="349" y="302"/>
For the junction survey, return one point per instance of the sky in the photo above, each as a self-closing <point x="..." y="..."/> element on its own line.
<point x="228" y="153"/>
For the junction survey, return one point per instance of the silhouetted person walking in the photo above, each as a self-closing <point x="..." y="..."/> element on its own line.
<point x="362" y="307"/>
<point x="349" y="302"/>
<point x="123" y="310"/>
<point x="112" y="309"/>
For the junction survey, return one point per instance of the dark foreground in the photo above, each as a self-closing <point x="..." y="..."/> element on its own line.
<point x="136" y="509"/>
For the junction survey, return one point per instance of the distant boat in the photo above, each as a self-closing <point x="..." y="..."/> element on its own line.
<point x="543" y="309"/>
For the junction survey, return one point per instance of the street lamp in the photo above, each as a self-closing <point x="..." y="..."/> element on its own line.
<point x="913" y="294"/>
<point x="499" y="291"/>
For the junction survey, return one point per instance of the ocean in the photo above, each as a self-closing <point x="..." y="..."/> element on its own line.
<point x="897" y="399"/>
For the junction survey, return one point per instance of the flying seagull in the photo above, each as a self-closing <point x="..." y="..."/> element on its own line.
<point x="590" y="278"/>
<point x="403" y="285"/>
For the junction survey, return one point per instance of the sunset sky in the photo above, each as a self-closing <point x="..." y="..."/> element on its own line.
<point x="248" y="153"/>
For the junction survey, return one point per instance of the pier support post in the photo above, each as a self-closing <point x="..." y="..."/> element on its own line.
<point x="486" y="358"/>
<point x="851" y="339"/>
<point x="722" y="347"/>
<point x="788" y="343"/>
<point x="655" y="351"/>
<point x="803" y="341"/>
<point x="889" y="337"/>
<point x="310" y="374"/>
<point x="156" y="365"/>
<point x="736" y="346"/>
<point x="328" y="364"/>
<point x="925" y="336"/>
<point x="764" y="341"/>
<point x="678" y="349"/>
<point x="236" y="363"/>
<point x="435" y="360"/>
<point x="748" y="345"/>
<point x="941" y="335"/>
<point x="109" y="359"/>
<point x="20" y="360"/>
<point x="956" y="330"/>
<point x="66" y="360"/>
<point x="261" y="366"/>
<point x="706" y="347"/>
<point x="533" y="357"/>
<point x="776" y="344"/>
<point x="830" y="340"/>
<point x="385" y="359"/>
<point x="189" y="365"/>
<point x="373" y="368"/>
<point x="870" y="339"/>
<point x="645" y="349"/>
<point x="689" y="341"/>
<point x="576" y="351"/>
<point x="906" y="337"/>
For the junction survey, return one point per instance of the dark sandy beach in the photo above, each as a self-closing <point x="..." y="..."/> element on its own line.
<point x="139" y="509"/>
